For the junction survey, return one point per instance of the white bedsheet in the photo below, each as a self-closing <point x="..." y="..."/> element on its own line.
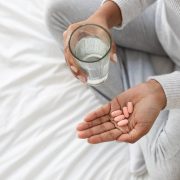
<point x="40" y="105"/>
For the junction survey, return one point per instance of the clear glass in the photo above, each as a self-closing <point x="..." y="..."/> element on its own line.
<point x="90" y="45"/>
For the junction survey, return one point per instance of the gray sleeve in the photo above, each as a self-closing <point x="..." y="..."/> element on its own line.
<point x="171" y="85"/>
<point x="130" y="9"/>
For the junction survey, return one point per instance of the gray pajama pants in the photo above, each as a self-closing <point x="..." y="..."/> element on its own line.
<point x="139" y="55"/>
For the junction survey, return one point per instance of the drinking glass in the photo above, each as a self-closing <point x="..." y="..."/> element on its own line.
<point x="90" y="45"/>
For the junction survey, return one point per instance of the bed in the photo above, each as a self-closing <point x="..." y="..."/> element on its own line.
<point x="41" y="104"/>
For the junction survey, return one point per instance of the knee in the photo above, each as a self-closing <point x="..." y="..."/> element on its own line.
<point x="51" y="9"/>
<point x="161" y="164"/>
<point x="167" y="170"/>
<point x="55" y="12"/>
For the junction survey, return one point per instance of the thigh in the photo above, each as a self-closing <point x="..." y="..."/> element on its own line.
<point x="140" y="34"/>
<point x="61" y="13"/>
<point x="161" y="147"/>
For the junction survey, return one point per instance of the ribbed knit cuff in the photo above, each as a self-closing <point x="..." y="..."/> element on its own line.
<point x="130" y="9"/>
<point x="171" y="86"/>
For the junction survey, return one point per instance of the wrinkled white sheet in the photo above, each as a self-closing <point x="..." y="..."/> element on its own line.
<point x="40" y="105"/>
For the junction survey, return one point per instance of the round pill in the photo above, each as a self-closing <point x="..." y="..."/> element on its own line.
<point x="116" y="113"/>
<point x="125" y="112"/>
<point x="123" y="122"/>
<point x="119" y="118"/>
<point x="130" y="107"/>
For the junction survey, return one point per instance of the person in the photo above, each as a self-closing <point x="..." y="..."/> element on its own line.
<point x="146" y="72"/>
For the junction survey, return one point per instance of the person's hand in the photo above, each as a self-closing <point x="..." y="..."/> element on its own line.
<point x="75" y="69"/>
<point x="106" y="16"/>
<point x="148" y="100"/>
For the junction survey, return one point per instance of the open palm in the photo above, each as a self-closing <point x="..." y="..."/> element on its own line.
<point x="99" y="126"/>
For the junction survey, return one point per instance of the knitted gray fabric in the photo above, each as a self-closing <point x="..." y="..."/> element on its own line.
<point x="139" y="48"/>
<point x="168" y="31"/>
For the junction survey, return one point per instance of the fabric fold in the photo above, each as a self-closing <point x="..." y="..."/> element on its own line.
<point x="171" y="85"/>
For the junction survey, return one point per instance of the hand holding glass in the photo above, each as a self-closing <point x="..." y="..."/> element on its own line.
<point x="90" y="45"/>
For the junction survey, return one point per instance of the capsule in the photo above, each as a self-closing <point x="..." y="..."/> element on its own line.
<point x="119" y="118"/>
<point x="125" y="112"/>
<point x="130" y="107"/>
<point x="123" y="122"/>
<point x="116" y="113"/>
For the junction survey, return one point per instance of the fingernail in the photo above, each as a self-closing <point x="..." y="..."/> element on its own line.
<point x="115" y="57"/>
<point x="81" y="78"/>
<point x="74" y="69"/>
<point x="79" y="134"/>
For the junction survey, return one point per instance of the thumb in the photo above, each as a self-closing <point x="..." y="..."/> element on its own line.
<point x="113" y="55"/>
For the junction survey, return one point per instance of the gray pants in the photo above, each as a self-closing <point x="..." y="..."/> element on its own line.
<point x="140" y="55"/>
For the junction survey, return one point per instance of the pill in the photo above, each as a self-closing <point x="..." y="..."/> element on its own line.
<point x="123" y="122"/>
<point x="125" y="112"/>
<point x="119" y="118"/>
<point x="130" y="107"/>
<point x="116" y="113"/>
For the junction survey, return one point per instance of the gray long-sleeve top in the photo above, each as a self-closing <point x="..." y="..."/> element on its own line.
<point x="168" y="32"/>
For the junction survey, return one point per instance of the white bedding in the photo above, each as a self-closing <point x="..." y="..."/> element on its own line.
<point x="40" y="105"/>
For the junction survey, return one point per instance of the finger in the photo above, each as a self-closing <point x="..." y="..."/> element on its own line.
<point x="113" y="55"/>
<point x="121" y="100"/>
<point x="68" y="32"/>
<point x="86" y="125"/>
<point x="96" y="130"/>
<point x="115" y="105"/>
<point x="133" y="136"/>
<point x="70" y="61"/>
<point x="74" y="67"/>
<point x="65" y="39"/>
<point x="105" y="137"/>
<point x="125" y="112"/>
<point x="68" y="56"/>
<point x="102" y="111"/>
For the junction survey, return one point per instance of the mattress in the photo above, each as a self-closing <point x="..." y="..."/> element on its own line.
<point x="41" y="104"/>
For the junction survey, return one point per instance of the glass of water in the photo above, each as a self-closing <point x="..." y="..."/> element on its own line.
<point x="90" y="45"/>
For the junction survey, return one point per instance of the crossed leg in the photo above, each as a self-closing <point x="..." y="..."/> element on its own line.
<point x="160" y="147"/>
